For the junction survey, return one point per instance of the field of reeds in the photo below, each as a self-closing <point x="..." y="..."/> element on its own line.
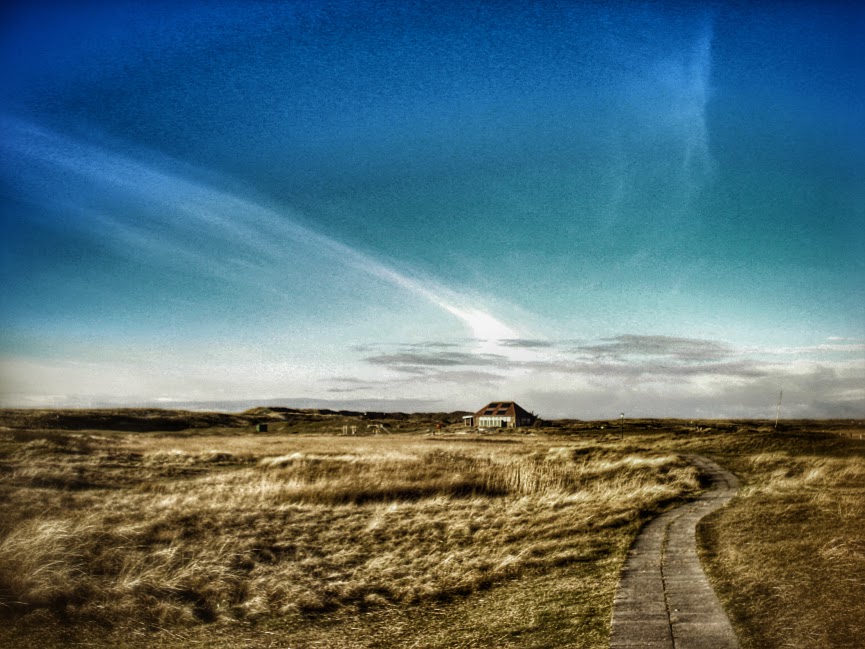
<point x="221" y="537"/>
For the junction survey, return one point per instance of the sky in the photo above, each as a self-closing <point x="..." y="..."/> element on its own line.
<point x="591" y="208"/>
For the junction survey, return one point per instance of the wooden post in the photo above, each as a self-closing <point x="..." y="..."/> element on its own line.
<point x="778" y="413"/>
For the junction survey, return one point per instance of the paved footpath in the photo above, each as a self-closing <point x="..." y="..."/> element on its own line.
<point x="664" y="600"/>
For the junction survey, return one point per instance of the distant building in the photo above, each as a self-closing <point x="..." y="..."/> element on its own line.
<point x="500" y="414"/>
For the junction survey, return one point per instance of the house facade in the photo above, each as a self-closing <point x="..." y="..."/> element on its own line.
<point x="500" y="414"/>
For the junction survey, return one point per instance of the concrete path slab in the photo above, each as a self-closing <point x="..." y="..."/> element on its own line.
<point x="664" y="600"/>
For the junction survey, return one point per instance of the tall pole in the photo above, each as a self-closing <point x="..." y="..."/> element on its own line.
<point x="622" y="426"/>
<point x="778" y="413"/>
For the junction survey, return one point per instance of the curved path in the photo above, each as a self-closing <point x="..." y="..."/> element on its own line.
<point x="664" y="600"/>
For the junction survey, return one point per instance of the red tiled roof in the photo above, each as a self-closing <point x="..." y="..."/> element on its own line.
<point x="504" y="409"/>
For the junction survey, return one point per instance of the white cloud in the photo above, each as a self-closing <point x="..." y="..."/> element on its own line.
<point x="660" y="377"/>
<point x="680" y="88"/>
<point x="192" y="212"/>
<point x="832" y="348"/>
<point x="644" y="375"/>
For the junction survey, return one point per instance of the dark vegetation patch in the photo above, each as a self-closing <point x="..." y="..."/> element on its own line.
<point x="119" y="419"/>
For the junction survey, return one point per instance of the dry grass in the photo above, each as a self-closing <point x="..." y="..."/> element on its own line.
<point x="146" y="532"/>
<point x="790" y="555"/>
<point x="229" y="539"/>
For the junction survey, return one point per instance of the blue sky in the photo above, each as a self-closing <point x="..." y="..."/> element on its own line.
<point x="587" y="207"/>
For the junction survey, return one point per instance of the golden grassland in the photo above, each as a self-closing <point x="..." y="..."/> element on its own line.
<point x="789" y="557"/>
<point x="169" y="533"/>
<point x="221" y="537"/>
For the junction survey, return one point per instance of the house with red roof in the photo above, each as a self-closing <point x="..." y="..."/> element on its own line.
<point x="500" y="414"/>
